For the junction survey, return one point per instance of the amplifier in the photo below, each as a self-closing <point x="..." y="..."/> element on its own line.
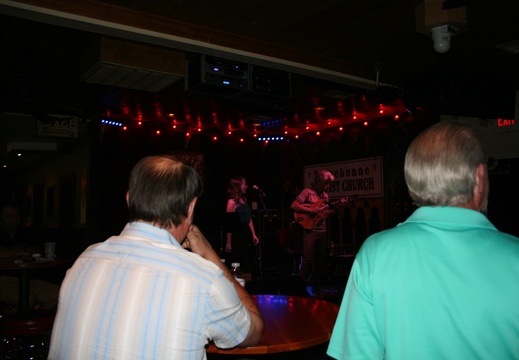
<point x="211" y="75"/>
<point x="227" y="68"/>
<point x="237" y="80"/>
<point x="267" y="221"/>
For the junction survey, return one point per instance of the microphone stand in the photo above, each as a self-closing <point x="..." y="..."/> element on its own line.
<point x="261" y="248"/>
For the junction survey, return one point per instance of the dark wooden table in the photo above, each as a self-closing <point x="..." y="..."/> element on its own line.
<point x="291" y="323"/>
<point x="21" y="266"/>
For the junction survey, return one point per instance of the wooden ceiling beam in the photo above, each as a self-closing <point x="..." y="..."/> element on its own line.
<point x="117" y="21"/>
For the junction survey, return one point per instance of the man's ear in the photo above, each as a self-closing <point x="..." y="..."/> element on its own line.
<point x="191" y="210"/>
<point x="480" y="177"/>
<point x="128" y="198"/>
<point x="481" y="187"/>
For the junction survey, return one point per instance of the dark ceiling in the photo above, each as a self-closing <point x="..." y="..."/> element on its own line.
<point x="358" y="53"/>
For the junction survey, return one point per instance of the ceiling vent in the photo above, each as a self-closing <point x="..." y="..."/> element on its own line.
<point x="131" y="65"/>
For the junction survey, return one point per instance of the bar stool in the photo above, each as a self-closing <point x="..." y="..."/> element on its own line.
<point x="26" y="335"/>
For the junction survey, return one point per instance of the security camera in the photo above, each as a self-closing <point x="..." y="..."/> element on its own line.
<point x="441" y="36"/>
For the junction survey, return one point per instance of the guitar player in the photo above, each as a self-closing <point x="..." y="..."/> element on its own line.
<point x="310" y="203"/>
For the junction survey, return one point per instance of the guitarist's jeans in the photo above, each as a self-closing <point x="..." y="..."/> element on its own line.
<point x="314" y="258"/>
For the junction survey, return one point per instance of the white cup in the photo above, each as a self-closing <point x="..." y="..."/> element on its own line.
<point x="50" y="250"/>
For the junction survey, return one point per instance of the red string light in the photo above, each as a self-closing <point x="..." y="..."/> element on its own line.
<point x="281" y="130"/>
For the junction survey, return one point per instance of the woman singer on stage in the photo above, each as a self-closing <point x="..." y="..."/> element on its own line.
<point x="240" y="242"/>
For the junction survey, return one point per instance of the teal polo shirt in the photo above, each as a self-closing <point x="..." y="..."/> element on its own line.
<point x="442" y="285"/>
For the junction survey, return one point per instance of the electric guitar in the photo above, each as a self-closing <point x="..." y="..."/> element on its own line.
<point x="308" y="220"/>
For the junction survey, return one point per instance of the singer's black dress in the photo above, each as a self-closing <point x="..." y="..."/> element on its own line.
<point x="241" y="239"/>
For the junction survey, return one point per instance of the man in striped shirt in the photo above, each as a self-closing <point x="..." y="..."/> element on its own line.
<point x="142" y="294"/>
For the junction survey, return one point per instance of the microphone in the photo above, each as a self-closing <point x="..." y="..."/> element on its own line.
<point x="255" y="187"/>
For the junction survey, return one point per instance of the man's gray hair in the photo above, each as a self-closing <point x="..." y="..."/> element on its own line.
<point x="441" y="164"/>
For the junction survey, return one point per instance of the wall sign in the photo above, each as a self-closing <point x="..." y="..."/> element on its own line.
<point x="503" y="125"/>
<point x="61" y="126"/>
<point x="363" y="177"/>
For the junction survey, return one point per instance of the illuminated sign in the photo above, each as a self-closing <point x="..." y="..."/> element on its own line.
<point x="506" y="125"/>
<point x="363" y="177"/>
<point x="505" y="122"/>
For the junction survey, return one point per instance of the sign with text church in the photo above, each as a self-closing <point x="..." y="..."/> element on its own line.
<point x="363" y="177"/>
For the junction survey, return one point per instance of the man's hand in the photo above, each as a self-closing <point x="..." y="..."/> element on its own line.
<point x="197" y="243"/>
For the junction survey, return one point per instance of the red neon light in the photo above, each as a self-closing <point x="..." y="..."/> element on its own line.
<point x="505" y="122"/>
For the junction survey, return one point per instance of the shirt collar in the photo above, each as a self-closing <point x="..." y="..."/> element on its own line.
<point x="139" y="229"/>
<point x="450" y="215"/>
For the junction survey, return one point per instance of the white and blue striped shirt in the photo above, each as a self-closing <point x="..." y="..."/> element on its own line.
<point x="140" y="295"/>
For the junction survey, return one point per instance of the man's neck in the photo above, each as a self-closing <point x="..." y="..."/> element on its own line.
<point x="319" y="192"/>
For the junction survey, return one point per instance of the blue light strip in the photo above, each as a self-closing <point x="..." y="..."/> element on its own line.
<point x="271" y="138"/>
<point x="111" y="122"/>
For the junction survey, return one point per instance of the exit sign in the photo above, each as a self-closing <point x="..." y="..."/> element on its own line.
<point x="503" y="125"/>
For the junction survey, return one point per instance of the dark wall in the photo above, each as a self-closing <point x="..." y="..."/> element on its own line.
<point x="504" y="195"/>
<point x="454" y="91"/>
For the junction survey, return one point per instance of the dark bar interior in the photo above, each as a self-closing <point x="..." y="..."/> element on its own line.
<point x="271" y="94"/>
